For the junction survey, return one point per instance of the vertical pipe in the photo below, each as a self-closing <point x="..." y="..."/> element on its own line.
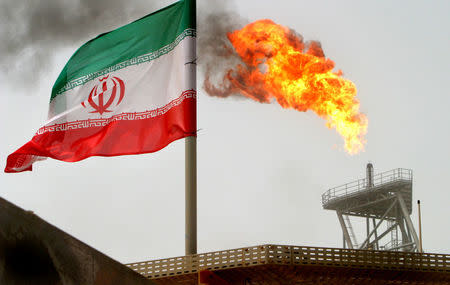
<point x="369" y="175"/>
<point x="191" y="144"/>
<point x="368" y="231"/>
<point x="420" y="228"/>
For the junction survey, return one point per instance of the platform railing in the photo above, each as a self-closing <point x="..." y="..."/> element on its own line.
<point x="293" y="255"/>
<point x="399" y="174"/>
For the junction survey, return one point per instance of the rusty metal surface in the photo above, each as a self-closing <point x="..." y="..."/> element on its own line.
<point x="312" y="275"/>
<point x="33" y="252"/>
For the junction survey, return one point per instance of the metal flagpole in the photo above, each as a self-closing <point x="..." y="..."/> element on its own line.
<point x="191" y="196"/>
<point x="191" y="155"/>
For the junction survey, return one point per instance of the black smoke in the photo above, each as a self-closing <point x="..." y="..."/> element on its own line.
<point x="33" y="31"/>
<point x="216" y="19"/>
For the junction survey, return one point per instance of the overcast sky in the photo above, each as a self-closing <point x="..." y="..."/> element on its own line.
<point x="261" y="169"/>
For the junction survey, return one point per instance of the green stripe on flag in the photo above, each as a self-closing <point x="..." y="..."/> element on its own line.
<point x="143" y="40"/>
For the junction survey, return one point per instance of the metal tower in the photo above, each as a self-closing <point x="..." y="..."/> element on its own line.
<point x="385" y="202"/>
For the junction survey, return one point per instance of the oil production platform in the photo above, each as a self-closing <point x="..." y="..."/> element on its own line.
<point x="384" y="201"/>
<point x="386" y="250"/>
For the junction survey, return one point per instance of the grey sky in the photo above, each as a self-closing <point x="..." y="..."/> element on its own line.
<point x="262" y="169"/>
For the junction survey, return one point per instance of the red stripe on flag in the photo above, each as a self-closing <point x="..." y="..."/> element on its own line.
<point x="117" y="138"/>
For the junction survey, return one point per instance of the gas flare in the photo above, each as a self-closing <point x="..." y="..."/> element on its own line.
<point x="276" y="64"/>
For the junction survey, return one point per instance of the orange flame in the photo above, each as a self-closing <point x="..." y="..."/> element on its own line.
<point x="278" y="64"/>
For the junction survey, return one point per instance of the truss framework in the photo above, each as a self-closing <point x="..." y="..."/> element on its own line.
<point x="385" y="202"/>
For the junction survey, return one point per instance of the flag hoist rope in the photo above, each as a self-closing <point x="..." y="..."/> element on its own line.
<point x="191" y="161"/>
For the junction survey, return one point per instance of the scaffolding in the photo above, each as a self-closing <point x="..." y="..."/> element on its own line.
<point x="385" y="202"/>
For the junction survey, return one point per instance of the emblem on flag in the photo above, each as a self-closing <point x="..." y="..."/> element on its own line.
<point x="105" y="93"/>
<point x="91" y="113"/>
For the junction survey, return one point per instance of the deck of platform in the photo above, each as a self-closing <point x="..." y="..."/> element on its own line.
<point x="364" y="200"/>
<point x="281" y="264"/>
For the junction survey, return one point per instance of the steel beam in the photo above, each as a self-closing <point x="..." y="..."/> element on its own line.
<point x="379" y="223"/>
<point x="402" y="246"/>
<point x="345" y="230"/>
<point x="409" y="223"/>
<point x="386" y="232"/>
<point x="368" y="204"/>
<point x="367" y="227"/>
<point x="376" y="234"/>
<point x="401" y="225"/>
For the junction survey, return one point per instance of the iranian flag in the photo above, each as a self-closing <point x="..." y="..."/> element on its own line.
<point x="129" y="91"/>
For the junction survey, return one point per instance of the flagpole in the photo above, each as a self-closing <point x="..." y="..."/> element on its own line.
<point x="191" y="195"/>
<point x="191" y="156"/>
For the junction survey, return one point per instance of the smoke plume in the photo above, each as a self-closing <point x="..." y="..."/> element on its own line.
<point x="31" y="32"/>
<point x="216" y="54"/>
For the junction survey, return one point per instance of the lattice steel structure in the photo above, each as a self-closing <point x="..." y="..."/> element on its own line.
<point x="383" y="200"/>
